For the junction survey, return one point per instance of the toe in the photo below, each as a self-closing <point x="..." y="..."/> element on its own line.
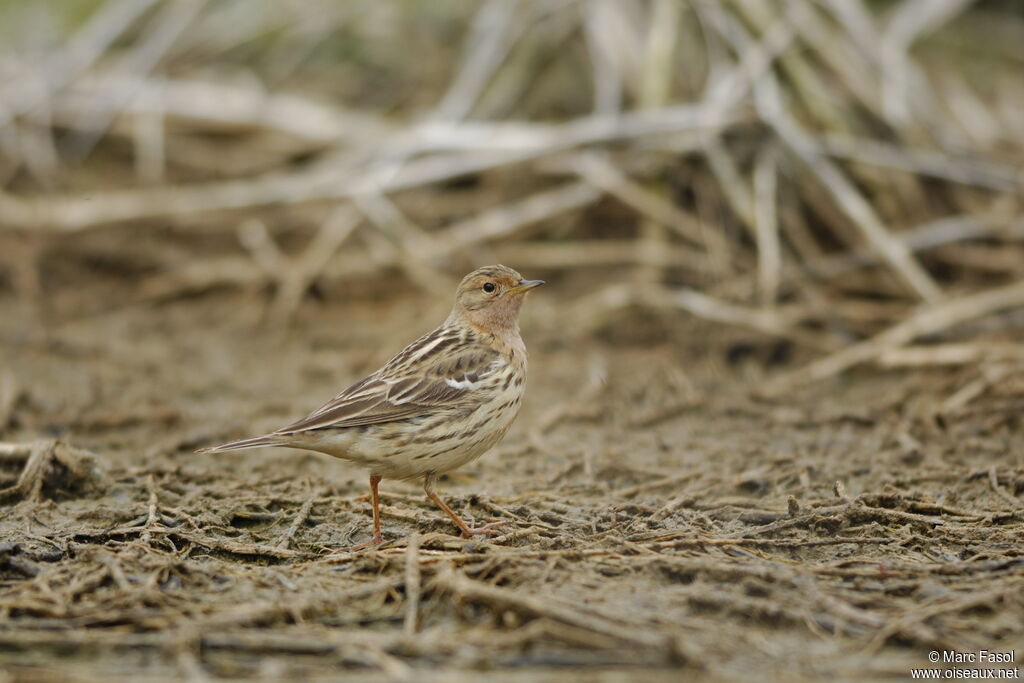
<point x="491" y="529"/>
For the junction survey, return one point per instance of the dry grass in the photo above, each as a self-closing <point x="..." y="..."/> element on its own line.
<point x="769" y="195"/>
<point x="771" y="156"/>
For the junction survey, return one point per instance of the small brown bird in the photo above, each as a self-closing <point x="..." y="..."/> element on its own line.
<point x="443" y="401"/>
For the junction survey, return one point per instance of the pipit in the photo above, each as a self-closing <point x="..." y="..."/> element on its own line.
<point x="443" y="401"/>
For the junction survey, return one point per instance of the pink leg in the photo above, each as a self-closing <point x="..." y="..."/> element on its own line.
<point x="467" y="531"/>
<point x="374" y="498"/>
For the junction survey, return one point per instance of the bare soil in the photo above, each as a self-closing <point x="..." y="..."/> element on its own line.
<point x="663" y="516"/>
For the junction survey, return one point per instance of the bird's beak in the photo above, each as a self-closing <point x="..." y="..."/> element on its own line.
<point x="525" y="286"/>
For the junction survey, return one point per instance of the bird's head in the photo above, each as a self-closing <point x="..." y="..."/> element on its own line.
<point x="489" y="298"/>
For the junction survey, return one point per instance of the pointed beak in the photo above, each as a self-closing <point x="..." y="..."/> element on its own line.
<point x="525" y="286"/>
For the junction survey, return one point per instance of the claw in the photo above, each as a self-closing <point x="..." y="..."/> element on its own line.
<point x="375" y="541"/>
<point x="485" y="530"/>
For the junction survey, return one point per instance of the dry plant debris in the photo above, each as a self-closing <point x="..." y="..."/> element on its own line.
<point x="872" y="534"/>
<point x="775" y="408"/>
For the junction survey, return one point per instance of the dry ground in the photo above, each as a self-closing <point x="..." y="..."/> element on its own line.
<point x="821" y="171"/>
<point x="663" y="517"/>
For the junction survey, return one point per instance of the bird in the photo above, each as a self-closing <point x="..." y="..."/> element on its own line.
<point x="440" y="403"/>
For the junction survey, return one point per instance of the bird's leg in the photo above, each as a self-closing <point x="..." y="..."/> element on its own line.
<point x="467" y="531"/>
<point x="374" y="482"/>
<point x="377" y="538"/>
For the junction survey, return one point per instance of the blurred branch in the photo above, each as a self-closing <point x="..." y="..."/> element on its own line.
<point x="845" y="194"/>
<point x="491" y="36"/>
<point x="949" y="230"/>
<point x="80" y="52"/>
<point x="912" y="19"/>
<point x="495" y="223"/>
<point x="659" y="60"/>
<point x="228" y="106"/>
<point x="594" y="311"/>
<point x="603" y="254"/>
<point x="931" y="320"/>
<point x="408" y="239"/>
<point x="968" y="171"/>
<point x="301" y="272"/>
<point x="602" y="174"/>
<point x="769" y="253"/>
<point x="331" y="180"/>
<point x="755" y="146"/>
<point x="505" y="220"/>
<point x="950" y="354"/>
<point x="169" y="23"/>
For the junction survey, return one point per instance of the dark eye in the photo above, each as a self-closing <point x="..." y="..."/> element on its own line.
<point x="489" y="287"/>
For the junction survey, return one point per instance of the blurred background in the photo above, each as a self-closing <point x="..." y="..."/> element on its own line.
<point x="784" y="248"/>
<point x="812" y="171"/>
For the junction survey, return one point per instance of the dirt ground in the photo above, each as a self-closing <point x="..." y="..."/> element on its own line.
<point x="663" y="516"/>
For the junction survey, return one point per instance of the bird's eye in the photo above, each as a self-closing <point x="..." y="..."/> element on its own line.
<point x="489" y="287"/>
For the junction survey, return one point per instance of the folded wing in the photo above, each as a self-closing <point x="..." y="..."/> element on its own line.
<point x="446" y="376"/>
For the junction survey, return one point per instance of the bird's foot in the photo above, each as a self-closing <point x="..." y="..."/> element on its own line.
<point x="372" y="543"/>
<point x="491" y="529"/>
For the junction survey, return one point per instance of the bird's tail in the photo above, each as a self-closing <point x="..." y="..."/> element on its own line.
<point x="254" y="442"/>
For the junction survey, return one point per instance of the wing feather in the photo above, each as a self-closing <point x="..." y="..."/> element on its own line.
<point x="436" y="372"/>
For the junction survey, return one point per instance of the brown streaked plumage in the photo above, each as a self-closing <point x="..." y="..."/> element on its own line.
<point x="443" y="401"/>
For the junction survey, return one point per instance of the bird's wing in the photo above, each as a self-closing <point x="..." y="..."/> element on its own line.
<point x="431" y="374"/>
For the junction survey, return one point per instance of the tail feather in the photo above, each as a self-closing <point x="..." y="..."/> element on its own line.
<point x="254" y="442"/>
